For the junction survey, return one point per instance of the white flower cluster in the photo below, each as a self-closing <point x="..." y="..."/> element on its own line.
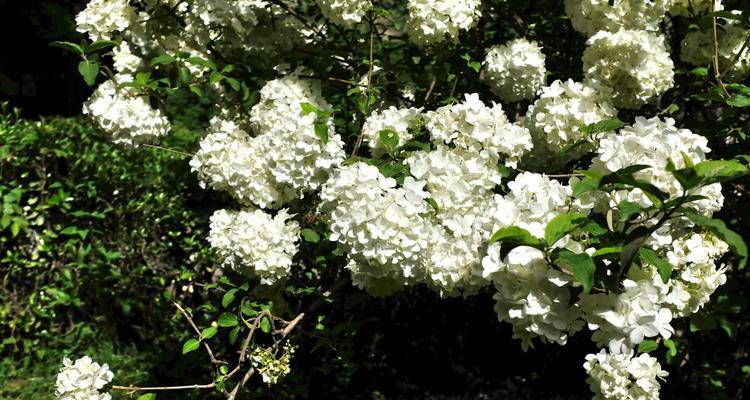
<point x="515" y="71"/>
<point x="477" y="128"/>
<point x="623" y="376"/>
<point x="403" y="121"/>
<point x="655" y="142"/>
<point x="82" y="380"/>
<point x="635" y="64"/>
<point x="592" y="16"/>
<point x="431" y="21"/>
<point x="254" y="242"/>
<point x="101" y="19"/>
<point x="531" y="296"/>
<point x="344" y="12"/>
<point x="124" y="61"/>
<point x="128" y="118"/>
<point x="285" y="161"/>
<point x="272" y="369"/>
<point x="697" y="49"/>
<point x="683" y="7"/>
<point x="556" y="118"/>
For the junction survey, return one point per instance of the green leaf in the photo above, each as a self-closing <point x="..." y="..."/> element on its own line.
<point x="310" y="235"/>
<point x="308" y="108"/>
<point x="627" y="209"/>
<point x="650" y="257"/>
<point x="208" y="333"/>
<point x="233" y="83"/>
<point x="162" y="59"/>
<point x="185" y="76"/>
<point x="390" y="140"/>
<point x="719" y="228"/>
<point x="321" y="131"/>
<point x="669" y="344"/>
<point x="700" y="71"/>
<point x="234" y="334"/>
<point x="647" y="346"/>
<point x="227" y="320"/>
<point x="197" y="90"/>
<point x="607" y="252"/>
<point x="702" y="322"/>
<point x="88" y="70"/>
<point x="561" y="225"/>
<point x="265" y="325"/>
<point x="432" y="204"/>
<point x="738" y="100"/>
<point x="190" y="345"/>
<point x="608" y="125"/>
<point x="147" y="396"/>
<point x="228" y="297"/>
<point x="68" y="46"/>
<point x="713" y="171"/>
<point x="100" y="45"/>
<point x="582" y="266"/>
<point x="514" y="234"/>
<point x="202" y="62"/>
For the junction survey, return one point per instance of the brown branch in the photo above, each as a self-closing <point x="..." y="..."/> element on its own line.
<point x="715" y="58"/>
<point x="361" y="134"/>
<point x="195" y="328"/>
<point x="429" y="91"/>
<point x="736" y="57"/>
<point x="133" y="389"/>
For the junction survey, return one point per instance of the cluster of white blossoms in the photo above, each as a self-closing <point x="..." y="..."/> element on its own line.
<point x="635" y="64"/>
<point x="128" y="118"/>
<point x="82" y="380"/>
<point x="683" y="8"/>
<point x="403" y="121"/>
<point x="272" y="369"/>
<point x="697" y="49"/>
<point x="515" y="71"/>
<point x="473" y="126"/>
<point x="103" y="18"/>
<point x="592" y="16"/>
<point x="284" y="161"/>
<point x="556" y="118"/>
<point x="655" y="142"/>
<point x="432" y="21"/>
<point x="623" y="376"/>
<point x="254" y="242"/>
<point x="344" y="12"/>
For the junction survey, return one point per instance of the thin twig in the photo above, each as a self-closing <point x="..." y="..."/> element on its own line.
<point x="182" y="153"/>
<point x="195" y="328"/>
<point x="736" y="57"/>
<point x="361" y="134"/>
<point x="429" y="91"/>
<point x="133" y="389"/>
<point x="299" y="17"/>
<point x="715" y="58"/>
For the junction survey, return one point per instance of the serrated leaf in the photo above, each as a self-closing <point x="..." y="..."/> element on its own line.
<point x="647" y="346"/>
<point x="208" y="333"/>
<point x="228" y="320"/>
<point x="310" y="235"/>
<point x="89" y="71"/>
<point x="190" y="345"/>
<point x="582" y="266"/>
<point x="662" y="266"/>
<point x="228" y="297"/>
<point x="562" y="225"/>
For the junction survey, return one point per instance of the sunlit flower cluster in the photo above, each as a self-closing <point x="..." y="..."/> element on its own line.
<point x="403" y="121"/>
<point x="433" y="21"/>
<point x="591" y="16"/>
<point x="623" y="376"/>
<point x="515" y="71"/>
<point x="697" y="49"/>
<point x="344" y="12"/>
<point x="103" y="18"/>
<point x="82" y="380"/>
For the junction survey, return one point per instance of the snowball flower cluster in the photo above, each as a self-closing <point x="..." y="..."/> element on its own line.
<point x="623" y="376"/>
<point x="475" y="127"/>
<point x="344" y="12"/>
<point x="430" y="21"/>
<point x="82" y="380"/>
<point x="515" y="71"/>
<point x="682" y="7"/>
<point x="655" y="142"/>
<point x="124" y="61"/>
<point x="697" y="49"/>
<point x="255" y="242"/>
<point x="128" y="118"/>
<point x="403" y="121"/>
<point x="556" y="118"/>
<point x="635" y="64"/>
<point x="101" y="19"/>
<point x="591" y="16"/>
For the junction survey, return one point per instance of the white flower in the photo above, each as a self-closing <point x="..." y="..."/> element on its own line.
<point x="400" y="120"/>
<point x="344" y="12"/>
<point x="272" y="369"/>
<point x="634" y="64"/>
<point x="253" y="241"/>
<point x="430" y="21"/>
<point x="477" y="128"/>
<point x="82" y="380"/>
<point x="591" y="16"/>
<point x="682" y="7"/>
<point x="623" y="376"/>
<point x="697" y="49"/>
<point x="125" y="62"/>
<point x="515" y="71"/>
<point x="103" y="18"/>
<point x="127" y="117"/>
<point x="654" y="142"/>
<point x="556" y="118"/>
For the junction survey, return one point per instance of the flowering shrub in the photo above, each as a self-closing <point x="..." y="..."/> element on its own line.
<point x="578" y="222"/>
